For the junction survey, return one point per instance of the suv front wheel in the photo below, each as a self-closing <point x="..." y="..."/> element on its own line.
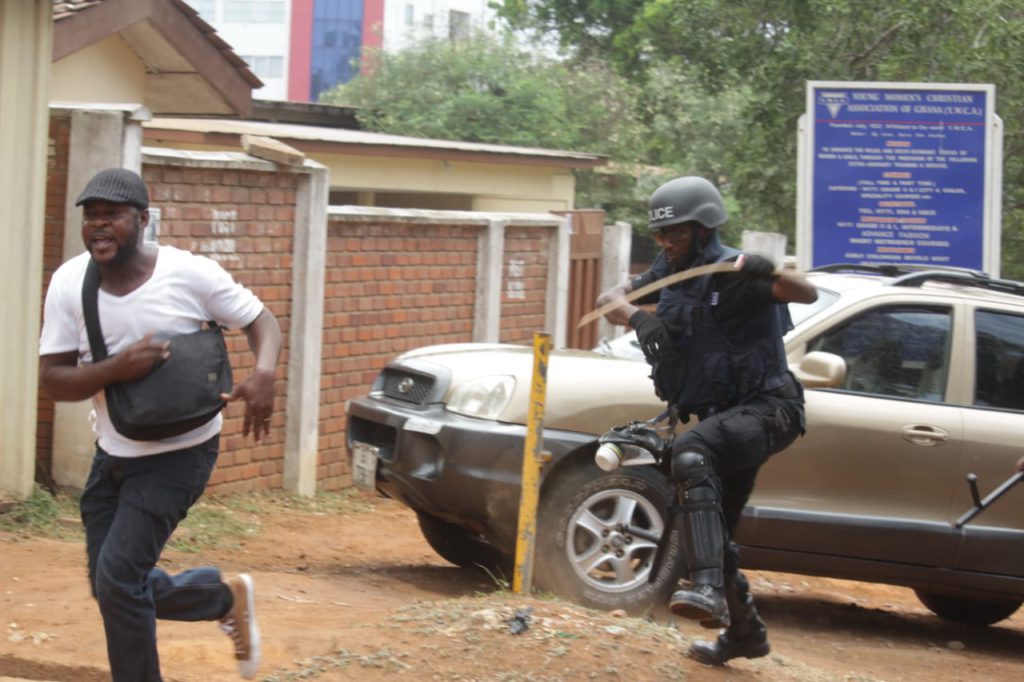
<point x="598" y="534"/>
<point x="971" y="611"/>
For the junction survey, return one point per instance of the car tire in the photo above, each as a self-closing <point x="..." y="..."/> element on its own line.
<point x="582" y="515"/>
<point x="970" y="611"/>
<point x="461" y="547"/>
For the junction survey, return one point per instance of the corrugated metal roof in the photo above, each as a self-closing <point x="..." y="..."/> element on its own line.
<point x="343" y="136"/>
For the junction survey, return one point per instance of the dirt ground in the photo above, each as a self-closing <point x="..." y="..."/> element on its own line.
<point x="362" y="596"/>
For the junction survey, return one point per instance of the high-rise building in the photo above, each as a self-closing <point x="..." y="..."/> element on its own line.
<point x="299" y="48"/>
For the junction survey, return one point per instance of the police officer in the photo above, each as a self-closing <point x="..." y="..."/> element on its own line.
<point x="715" y="347"/>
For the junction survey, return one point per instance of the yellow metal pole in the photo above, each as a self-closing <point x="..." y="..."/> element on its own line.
<point x="526" y="540"/>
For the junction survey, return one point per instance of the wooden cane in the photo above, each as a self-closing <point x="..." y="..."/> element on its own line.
<point x="709" y="269"/>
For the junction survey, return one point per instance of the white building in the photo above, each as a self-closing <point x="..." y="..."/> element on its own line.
<point x="299" y="48"/>
<point x="259" y="32"/>
<point x="407" y="20"/>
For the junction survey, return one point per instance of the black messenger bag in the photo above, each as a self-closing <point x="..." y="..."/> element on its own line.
<point x="180" y="394"/>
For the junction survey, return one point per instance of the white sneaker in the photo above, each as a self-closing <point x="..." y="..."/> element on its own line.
<point x="240" y="625"/>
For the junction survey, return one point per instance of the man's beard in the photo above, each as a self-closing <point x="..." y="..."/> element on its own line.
<point x="687" y="260"/>
<point x="125" y="252"/>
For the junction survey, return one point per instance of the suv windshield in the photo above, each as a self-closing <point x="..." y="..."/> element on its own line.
<point x="801" y="311"/>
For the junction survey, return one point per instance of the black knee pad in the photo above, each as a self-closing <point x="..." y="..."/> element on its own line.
<point x="691" y="467"/>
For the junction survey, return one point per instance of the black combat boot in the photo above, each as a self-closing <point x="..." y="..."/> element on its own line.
<point x="703" y="541"/>
<point x="703" y="602"/>
<point x="746" y="635"/>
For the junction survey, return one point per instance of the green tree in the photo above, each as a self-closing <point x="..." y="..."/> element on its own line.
<point x="502" y="92"/>
<point x="764" y="52"/>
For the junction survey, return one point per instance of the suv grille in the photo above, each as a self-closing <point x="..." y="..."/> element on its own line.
<point x="412" y="388"/>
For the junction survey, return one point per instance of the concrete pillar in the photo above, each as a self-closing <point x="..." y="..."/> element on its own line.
<point x="557" y="301"/>
<point x="616" y="247"/>
<point x="489" y="266"/>
<point x="306" y="335"/>
<point x="99" y="139"/>
<point x="26" y="45"/>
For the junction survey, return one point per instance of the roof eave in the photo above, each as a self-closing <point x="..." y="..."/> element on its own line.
<point x="154" y="134"/>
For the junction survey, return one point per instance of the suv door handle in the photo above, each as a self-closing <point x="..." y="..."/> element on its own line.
<point x="927" y="436"/>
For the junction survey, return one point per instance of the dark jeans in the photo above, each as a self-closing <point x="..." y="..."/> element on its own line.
<point x="130" y="507"/>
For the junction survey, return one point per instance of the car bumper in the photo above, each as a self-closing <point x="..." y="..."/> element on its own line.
<point x="464" y="470"/>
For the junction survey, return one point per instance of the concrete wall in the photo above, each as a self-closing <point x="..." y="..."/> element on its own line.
<point x="26" y="43"/>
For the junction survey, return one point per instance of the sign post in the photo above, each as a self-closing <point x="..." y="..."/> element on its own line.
<point x="526" y="539"/>
<point x="900" y="173"/>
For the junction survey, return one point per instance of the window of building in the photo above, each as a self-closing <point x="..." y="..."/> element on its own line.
<point x="458" y="25"/>
<point x="207" y="9"/>
<point x="337" y="36"/>
<point x="265" y="66"/>
<point x="428" y="21"/>
<point x="410" y="15"/>
<point x="254" y="11"/>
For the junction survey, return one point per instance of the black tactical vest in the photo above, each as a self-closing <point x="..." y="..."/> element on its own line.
<point x="707" y="371"/>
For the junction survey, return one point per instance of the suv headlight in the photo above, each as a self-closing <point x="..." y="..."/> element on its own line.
<point x="483" y="398"/>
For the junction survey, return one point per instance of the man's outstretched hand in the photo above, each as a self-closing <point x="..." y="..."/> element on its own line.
<point x="257" y="390"/>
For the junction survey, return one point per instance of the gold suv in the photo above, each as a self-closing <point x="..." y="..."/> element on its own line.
<point x="915" y="381"/>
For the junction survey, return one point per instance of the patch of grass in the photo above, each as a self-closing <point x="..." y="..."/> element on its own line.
<point x="210" y="526"/>
<point x="341" y="660"/>
<point x="216" y="522"/>
<point x="497" y="577"/>
<point x="341" y="502"/>
<point x="223" y="521"/>
<point x="43" y="515"/>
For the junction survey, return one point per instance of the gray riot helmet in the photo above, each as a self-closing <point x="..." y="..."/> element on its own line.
<point x="684" y="200"/>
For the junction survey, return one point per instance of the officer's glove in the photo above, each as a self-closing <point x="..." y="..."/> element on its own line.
<point x="756" y="266"/>
<point x="653" y="333"/>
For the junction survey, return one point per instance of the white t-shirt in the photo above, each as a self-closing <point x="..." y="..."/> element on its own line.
<point x="184" y="291"/>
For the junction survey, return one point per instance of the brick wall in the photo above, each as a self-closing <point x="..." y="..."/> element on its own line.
<point x="524" y="283"/>
<point x="244" y="220"/>
<point x="53" y="251"/>
<point x="389" y="287"/>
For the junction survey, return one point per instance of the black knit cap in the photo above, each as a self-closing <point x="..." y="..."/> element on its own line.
<point x="118" y="186"/>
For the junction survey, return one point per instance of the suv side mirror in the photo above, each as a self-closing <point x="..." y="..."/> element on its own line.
<point x="818" y="369"/>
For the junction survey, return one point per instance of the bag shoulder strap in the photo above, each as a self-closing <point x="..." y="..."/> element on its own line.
<point x="90" y="309"/>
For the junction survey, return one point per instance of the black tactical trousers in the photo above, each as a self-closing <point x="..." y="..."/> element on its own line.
<point x="739" y="439"/>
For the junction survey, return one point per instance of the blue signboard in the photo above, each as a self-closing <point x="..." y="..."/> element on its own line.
<point x="898" y="173"/>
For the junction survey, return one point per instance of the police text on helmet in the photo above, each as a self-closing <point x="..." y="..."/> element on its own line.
<point x="661" y="213"/>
